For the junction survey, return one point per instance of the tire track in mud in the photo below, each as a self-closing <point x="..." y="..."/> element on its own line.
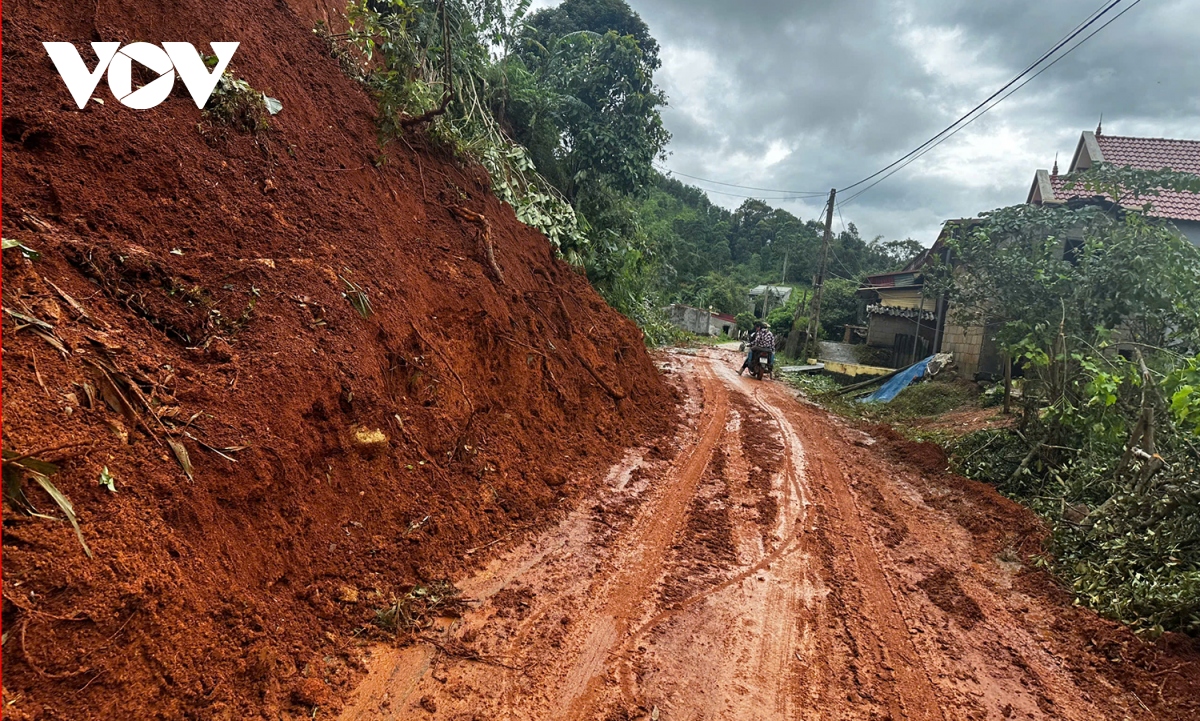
<point x="770" y="570"/>
<point x="872" y="621"/>
<point x="650" y="543"/>
<point x="762" y="665"/>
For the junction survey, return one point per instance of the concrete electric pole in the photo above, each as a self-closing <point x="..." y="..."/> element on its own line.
<point x="814" y="315"/>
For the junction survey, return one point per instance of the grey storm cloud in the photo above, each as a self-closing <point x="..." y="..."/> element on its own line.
<point x="812" y="95"/>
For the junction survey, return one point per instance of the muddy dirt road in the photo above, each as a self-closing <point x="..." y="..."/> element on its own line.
<point x="779" y="566"/>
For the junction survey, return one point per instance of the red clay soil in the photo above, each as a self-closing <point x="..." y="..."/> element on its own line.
<point x="875" y="586"/>
<point x="208" y="269"/>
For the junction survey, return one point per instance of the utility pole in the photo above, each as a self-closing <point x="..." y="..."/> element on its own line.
<point x="783" y="279"/>
<point x="814" y="315"/>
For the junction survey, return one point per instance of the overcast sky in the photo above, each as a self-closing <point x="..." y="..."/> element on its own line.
<point x="816" y="94"/>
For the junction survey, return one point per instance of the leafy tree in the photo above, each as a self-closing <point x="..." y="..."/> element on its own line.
<point x="1113" y="433"/>
<point x="840" y="306"/>
<point x="611" y="128"/>
<point x="893" y="254"/>
<point x="596" y="16"/>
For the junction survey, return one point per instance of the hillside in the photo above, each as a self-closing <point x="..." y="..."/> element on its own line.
<point x="216" y="277"/>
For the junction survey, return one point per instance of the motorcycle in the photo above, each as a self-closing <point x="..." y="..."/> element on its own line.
<point x="760" y="362"/>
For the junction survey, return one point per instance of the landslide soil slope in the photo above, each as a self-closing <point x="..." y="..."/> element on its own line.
<point x="780" y="566"/>
<point x="207" y="268"/>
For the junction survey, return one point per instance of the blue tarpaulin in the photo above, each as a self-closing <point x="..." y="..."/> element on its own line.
<point x="897" y="383"/>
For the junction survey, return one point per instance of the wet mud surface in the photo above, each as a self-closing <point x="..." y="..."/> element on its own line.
<point x="781" y="566"/>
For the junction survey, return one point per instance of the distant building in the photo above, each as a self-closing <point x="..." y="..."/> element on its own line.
<point x="905" y="319"/>
<point x="766" y="298"/>
<point x="899" y="316"/>
<point x="702" y="322"/>
<point x="1181" y="208"/>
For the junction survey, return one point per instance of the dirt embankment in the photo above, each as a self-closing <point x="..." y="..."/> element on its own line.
<point x="209" y="268"/>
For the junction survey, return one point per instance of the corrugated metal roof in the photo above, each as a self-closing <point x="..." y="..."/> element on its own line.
<point x="899" y="279"/>
<point x="776" y="290"/>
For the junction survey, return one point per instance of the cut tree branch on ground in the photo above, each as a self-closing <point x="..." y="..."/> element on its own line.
<point x="1025" y="463"/>
<point x="465" y="653"/>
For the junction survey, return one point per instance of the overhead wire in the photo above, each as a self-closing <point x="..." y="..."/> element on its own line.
<point x="849" y="273"/>
<point x="949" y="130"/>
<point x="945" y="134"/>
<point x="1000" y="100"/>
<point x="756" y="197"/>
<point x="1095" y="15"/>
<point x="790" y="193"/>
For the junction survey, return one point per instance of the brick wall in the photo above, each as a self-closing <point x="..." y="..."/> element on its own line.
<point x="965" y="343"/>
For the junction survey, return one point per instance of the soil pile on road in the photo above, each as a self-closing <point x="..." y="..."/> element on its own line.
<point x="293" y="356"/>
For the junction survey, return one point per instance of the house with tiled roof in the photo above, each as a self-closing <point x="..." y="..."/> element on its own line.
<point x="1180" y="207"/>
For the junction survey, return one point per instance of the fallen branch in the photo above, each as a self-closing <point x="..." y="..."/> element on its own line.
<point x="465" y="654"/>
<point x="1025" y="463"/>
<point x="51" y="449"/>
<point x="76" y="306"/>
<point x="869" y="382"/>
<point x="37" y="668"/>
<point x="489" y="249"/>
<point x="616" y="394"/>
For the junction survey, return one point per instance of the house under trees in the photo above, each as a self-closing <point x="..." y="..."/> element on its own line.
<point x="905" y="320"/>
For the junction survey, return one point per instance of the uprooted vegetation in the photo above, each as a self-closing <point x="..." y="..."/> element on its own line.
<point x="417" y="608"/>
<point x="921" y="400"/>
<point x="236" y="104"/>
<point x="1104" y="442"/>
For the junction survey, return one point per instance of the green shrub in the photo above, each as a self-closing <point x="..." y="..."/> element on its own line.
<point x="236" y="104"/>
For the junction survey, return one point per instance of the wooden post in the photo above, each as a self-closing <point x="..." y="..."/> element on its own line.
<point x="814" y="316"/>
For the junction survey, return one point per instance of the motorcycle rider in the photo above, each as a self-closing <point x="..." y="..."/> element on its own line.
<point x="762" y="337"/>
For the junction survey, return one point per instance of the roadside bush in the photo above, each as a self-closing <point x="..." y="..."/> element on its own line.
<point x="1107" y="443"/>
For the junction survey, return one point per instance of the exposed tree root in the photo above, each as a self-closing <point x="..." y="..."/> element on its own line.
<point x="615" y="393"/>
<point x="489" y="249"/>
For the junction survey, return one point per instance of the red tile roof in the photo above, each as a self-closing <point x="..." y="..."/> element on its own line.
<point x="1170" y="204"/>
<point x="1147" y="154"/>
<point x="1151" y="153"/>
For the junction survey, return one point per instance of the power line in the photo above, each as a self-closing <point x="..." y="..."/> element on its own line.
<point x="1096" y="15"/>
<point x="754" y="197"/>
<point x="1002" y="99"/>
<point x="950" y="130"/>
<point x="807" y="193"/>
<point x="850" y="275"/>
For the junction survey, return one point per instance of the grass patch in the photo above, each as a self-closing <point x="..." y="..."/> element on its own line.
<point x="920" y="400"/>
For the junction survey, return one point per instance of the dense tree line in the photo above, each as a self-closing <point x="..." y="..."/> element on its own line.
<point x="560" y="105"/>
<point x="712" y="256"/>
